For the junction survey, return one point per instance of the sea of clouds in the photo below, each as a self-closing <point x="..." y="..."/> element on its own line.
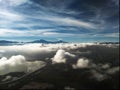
<point x="30" y="57"/>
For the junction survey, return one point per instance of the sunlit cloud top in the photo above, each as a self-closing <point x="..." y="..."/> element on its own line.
<point x="70" y="20"/>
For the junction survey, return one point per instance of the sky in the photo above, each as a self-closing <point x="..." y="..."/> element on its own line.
<point x="68" y="20"/>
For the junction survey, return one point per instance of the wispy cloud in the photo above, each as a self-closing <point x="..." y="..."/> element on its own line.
<point x="12" y="16"/>
<point x="13" y="2"/>
<point x="107" y="35"/>
<point x="32" y="18"/>
<point x="72" y="22"/>
<point x="13" y="33"/>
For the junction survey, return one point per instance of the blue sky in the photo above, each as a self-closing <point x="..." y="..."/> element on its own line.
<point x="69" y="20"/>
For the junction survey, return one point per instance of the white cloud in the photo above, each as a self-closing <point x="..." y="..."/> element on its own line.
<point x="18" y="2"/>
<point x="42" y="32"/>
<point x="72" y="22"/>
<point x="50" y="33"/>
<point x="98" y="76"/>
<point x="2" y="51"/>
<point x="113" y="70"/>
<point x="18" y="64"/>
<point x="40" y="51"/>
<point x="81" y="63"/>
<point x="107" y="35"/>
<point x="105" y="66"/>
<point x="12" y="32"/>
<point x="5" y="14"/>
<point x="13" y="2"/>
<point x="61" y="56"/>
<point x="101" y="72"/>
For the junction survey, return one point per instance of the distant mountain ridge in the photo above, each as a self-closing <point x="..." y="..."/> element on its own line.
<point x="109" y="43"/>
<point x="5" y="41"/>
<point x="35" y="41"/>
<point x="47" y="42"/>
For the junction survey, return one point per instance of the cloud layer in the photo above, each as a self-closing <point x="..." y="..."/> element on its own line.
<point x="92" y="59"/>
<point x="38" y="51"/>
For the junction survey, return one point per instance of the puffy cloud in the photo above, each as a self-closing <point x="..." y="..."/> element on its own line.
<point x="113" y="70"/>
<point x="105" y="66"/>
<point x="61" y="56"/>
<point x="98" y="76"/>
<point x="14" y="64"/>
<point x="101" y="72"/>
<point x="18" y="64"/>
<point x="81" y="63"/>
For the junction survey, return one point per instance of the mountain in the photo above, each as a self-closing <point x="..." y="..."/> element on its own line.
<point x="5" y="41"/>
<point x="47" y="42"/>
<point x="109" y="43"/>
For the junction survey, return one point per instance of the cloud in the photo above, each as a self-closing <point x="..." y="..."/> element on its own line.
<point x="39" y="51"/>
<point x="14" y="14"/>
<point x="13" y="32"/>
<point x="10" y="15"/>
<point x="69" y="54"/>
<point x="7" y="78"/>
<point x="8" y="32"/>
<point x="103" y="72"/>
<point x="13" y="2"/>
<point x="2" y="51"/>
<point x="61" y="56"/>
<point x="105" y="66"/>
<point x="18" y="2"/>
<point x="113" y="70"/>
<point x="72" y="22"/>
<point x="113" y="35"/>
<point x="98" y="76"/>
<point x="116" y="2"/>
<point x="18" y="64"/>
<point x="81" y="63"/>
